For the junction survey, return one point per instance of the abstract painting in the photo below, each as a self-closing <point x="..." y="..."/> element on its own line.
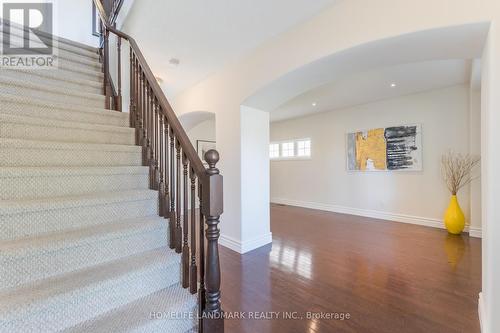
<point x="383" y="149"/>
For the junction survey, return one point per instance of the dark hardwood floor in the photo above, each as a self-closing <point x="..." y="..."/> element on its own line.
<point x="388" y="276"/>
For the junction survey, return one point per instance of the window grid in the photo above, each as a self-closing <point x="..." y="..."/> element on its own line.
<point x="304" y="148"/>
<point x="274" y="150"/>
<point x="288" y="149"/>
<point x="296" y="149"/>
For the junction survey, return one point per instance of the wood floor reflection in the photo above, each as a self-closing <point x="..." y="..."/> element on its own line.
<point x="388" y="276"/>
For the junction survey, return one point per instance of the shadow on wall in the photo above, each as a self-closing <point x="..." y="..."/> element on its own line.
<point x="200" y="128"/>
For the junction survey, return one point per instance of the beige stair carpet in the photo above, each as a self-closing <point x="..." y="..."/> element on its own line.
<point x="82" y="248"/>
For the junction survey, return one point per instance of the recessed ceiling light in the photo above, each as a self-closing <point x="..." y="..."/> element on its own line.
<point x="393" y="85"/>
<point x="314" y="104"/>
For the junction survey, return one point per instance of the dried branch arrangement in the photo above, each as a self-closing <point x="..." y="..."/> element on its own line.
<point x="456" y="169"/>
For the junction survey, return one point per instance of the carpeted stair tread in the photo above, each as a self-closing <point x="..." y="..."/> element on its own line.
<point x="55" y="79"/>
<point x="33" y="128"/>
<point x="20" y="143"/>
<point x="20" y="152"/>
<point x="76" y="237"/>
<point x="21" y="172"/>
<point x="60" y="302"/>
<point x="37" y="291"/>
<point x="42" y="216"/>
<point x="22" y="206"/>
<point x="26" y="106"/>
<point x="39" y="121"/>
<point x="11" y="85"/>
<point x="137" y="316"/>
<point x="68" y="250"/>
<point x="17" y="36"/>
<point x="41" y="182"/>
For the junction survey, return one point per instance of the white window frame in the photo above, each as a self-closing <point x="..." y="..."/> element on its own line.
<point x="279" y="150"/>
<point x="295" y="150"/>
<point x="305" y="149"/>
<point x="282" y="150"/>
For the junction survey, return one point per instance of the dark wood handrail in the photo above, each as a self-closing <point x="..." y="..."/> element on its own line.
<point x="166" y="108"/>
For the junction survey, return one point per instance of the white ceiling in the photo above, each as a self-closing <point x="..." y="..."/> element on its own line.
<point x="206" y="35"/>
<point x="191" y="119"/>
<point x="457" y="42"/>
<point x="373" y="85"/>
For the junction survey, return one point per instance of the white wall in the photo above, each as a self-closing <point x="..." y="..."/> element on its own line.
<point x="415" y="197"/>
<point x="490" y="181"/>
<point x="123" y="14"/>
<point x="475" y="149"/>
<point x="223" y="92"/>
<point x="203" y="131"/>
<point x="74" y="21"/>
<point x="255" y="215"/>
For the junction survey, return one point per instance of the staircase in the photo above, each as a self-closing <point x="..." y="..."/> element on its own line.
<point x="83" y="247"/>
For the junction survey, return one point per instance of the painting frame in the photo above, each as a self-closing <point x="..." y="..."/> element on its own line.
<point x="96" y="22"/>
<point x="202" y="146"/>
<point x="418" y="161"/>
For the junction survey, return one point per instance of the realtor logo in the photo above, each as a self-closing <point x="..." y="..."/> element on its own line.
<point x="27" y="34"/>
<point x="34" y="18"/>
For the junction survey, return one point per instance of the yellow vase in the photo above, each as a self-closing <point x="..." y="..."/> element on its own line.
<point x="454" y="218"/>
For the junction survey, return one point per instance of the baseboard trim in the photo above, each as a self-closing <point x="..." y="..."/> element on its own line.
<point x="403" y="218"/>
<point x="475" y="232"/>
<point x="245" y="246"/>
<point x="230" y="243"/>
<point x="480" y="311"/>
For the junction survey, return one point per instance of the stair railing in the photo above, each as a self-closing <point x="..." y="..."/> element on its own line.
<point x="115" y="10"/>
<point x="176" y="172"/>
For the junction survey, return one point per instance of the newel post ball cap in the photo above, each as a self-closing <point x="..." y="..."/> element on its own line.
<point x="212" y="157"/>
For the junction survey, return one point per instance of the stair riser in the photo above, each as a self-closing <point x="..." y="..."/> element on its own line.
<point x="60" y="97"/>
<point x="45" y="263"/>
<point x="93" y="300"/>
<point x="79" y="75"/>
<point x="57" y="186"/>
<point x="170" y="325"/>
<point x="31" y="224"/>
<point x="95" y="67"/>
<point x="17" y="40"/>
<point x="69" y="73"/>
<point x="46" y="112"/>
<point x="75" y="51"/>
<point x="70" y="60"/>
<point x="93" y="60"/>
<point x="52" y="78"/>
<point x="48" y="157"/>
<point x="62" y="134"/>
<point x="138" y="316"/>
<point x="81" y="59"/>
<point x="65" y="58"/>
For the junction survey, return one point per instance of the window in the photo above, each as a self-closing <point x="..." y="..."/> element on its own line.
<point x="287" y="149"/>
<point x="274" y="150"/>
<point x="290" y="149"/>
<point x="304" y="148"/>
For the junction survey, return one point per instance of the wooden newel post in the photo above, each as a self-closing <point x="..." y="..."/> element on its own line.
<point x="212" y="208"/>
